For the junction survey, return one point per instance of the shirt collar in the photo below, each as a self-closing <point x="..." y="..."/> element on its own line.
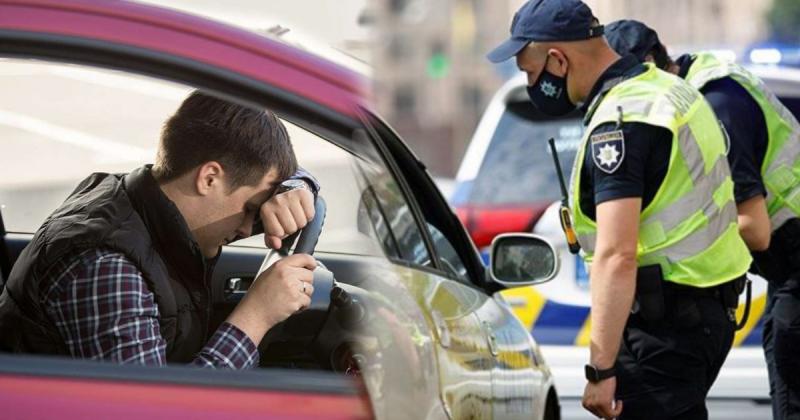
<point x="622" y="69"/>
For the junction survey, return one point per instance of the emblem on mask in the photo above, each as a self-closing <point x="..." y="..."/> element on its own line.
<point x="549" y="89"/>
<point x="608" y="150"/>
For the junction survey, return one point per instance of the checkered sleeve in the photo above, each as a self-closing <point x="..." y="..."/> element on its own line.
<point x="101" y="306"/>
<point x="229" y="347"/>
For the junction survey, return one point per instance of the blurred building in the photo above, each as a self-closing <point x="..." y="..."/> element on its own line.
<point x="431" y="78"/>
<point x="432" y="81"/>
<point x="684" y="24"/>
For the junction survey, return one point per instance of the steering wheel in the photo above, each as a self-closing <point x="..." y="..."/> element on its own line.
<point x="304" y="325"/>
<point x="337" y="305"/>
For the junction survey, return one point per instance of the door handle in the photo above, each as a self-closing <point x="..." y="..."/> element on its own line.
<point x="441" y="328"/>
<point x="491" y="339"/>
<point x="235" y="289"/>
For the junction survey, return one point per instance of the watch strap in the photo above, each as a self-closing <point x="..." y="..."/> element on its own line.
<point x="595" y="375"/>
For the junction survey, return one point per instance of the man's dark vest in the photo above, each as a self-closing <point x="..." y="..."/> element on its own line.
<point x="128" y="214"/>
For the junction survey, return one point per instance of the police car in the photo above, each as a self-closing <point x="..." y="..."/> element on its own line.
<point x="507" y="182"/>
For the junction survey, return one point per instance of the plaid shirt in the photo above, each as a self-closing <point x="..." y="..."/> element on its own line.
<point x="102" y="308"/>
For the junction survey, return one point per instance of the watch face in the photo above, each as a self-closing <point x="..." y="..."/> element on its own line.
<point x="291" y="184"/>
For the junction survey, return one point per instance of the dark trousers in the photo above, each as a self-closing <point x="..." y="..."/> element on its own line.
<point x="665" y="368"/>
<point x="781" y="340"/>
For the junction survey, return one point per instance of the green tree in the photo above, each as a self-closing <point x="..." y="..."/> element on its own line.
<point x="784" y="20"/>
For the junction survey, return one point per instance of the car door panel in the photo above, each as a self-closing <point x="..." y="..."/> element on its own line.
<point x="463" y="353"/>
<point x="519" y="379"/>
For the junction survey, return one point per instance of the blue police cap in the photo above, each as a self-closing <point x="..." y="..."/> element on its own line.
<point x="547" y="20"/>
<point x="631" y="37"/>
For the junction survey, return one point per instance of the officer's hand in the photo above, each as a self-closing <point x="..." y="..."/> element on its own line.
<point x="598" y="398"/>
<point x="280" y="291"/>
<point x="285" y="214"/>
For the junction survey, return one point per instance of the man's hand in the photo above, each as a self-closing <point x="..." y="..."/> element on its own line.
<point x="598" y="398"/>
<point x="285" y="214"/>
<point x="280" y="291"/>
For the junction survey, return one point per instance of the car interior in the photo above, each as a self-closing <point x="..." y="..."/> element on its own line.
<point x="366" y="219"/>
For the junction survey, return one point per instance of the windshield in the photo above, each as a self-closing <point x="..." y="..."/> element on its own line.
<point x="518" y="167"/>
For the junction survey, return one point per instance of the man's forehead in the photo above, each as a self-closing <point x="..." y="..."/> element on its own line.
<point x="261" y="194"/>
<point x="263" y="190"/>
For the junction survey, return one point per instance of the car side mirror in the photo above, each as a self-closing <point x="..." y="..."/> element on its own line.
<point x="522" y="259"/>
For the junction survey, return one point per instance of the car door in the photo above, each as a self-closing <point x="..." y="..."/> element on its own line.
<point x="521" y="381"/>
<point x="440" y="284"/>
<point x="463" y="359"/>
<point x="59" y="122"/>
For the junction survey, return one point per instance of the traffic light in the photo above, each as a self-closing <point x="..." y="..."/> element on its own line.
<point x="438" y="65"/>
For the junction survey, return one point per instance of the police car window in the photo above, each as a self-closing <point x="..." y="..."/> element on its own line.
<point x="517" y="167"/>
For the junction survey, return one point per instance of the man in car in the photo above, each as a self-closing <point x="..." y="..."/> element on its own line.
<point x="763" y="154"/>
<point x="654" y="214"/>
<point x="122" y="270"/>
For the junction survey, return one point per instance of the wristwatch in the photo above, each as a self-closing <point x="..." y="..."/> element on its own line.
<point x="595" y="375"/>
<point x="292" y="184"/>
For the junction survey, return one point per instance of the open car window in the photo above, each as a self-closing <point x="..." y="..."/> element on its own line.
<point x="66" y="121"/>
<point x="61" y="122"/>
<point x="342" y="186"/>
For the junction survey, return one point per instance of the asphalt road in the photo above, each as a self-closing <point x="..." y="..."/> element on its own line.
<point x="717" y="410"/>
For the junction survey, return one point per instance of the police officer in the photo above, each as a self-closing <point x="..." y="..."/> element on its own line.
<point x="654" y="212"/>
<point x="764" y="148"/>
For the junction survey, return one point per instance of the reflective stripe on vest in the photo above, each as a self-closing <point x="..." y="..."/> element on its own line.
<point x="782" y="160"/>
<point x="694" y="213"/>
<point x="705" y="185"/>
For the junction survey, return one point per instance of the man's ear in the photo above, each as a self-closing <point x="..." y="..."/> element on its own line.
<point x="209" y="176"/>
<point x="559" y="59"/>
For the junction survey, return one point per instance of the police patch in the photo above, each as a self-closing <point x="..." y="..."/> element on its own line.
<point x="608" y="150"/>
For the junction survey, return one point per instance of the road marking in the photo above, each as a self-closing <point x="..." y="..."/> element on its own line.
<point x="107" y="150"/>
<point x="758" y="304"/>
<point x="527" y="304"/>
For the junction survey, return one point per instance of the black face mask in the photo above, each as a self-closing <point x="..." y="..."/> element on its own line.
<point x="549" y="93"/>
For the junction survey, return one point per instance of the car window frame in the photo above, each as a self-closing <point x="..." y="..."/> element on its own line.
<point x="476" y="271"/>
<point x="330" y="125"/>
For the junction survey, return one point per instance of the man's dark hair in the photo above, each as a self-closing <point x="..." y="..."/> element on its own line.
<point x="247" y="142"/>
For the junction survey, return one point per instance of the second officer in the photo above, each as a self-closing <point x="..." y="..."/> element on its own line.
<point x="764" y="150"/>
